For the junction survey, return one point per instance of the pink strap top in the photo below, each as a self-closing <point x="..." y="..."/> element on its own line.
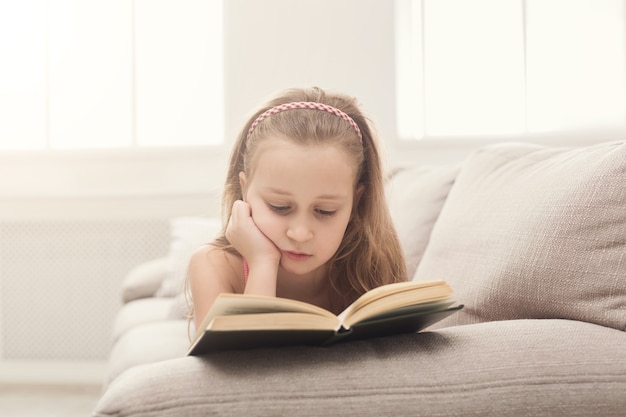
<point x="246" y="272"/>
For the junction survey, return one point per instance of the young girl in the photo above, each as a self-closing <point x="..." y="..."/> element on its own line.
<point x="304" y="209"/>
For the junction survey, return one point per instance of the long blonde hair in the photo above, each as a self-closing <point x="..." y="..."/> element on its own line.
<point x="369" y="254"/>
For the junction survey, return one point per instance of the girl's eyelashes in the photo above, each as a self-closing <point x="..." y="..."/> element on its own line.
<point x="279" y="209"/>
<point x="327" y="213"/>
<point x="287" y="209"/>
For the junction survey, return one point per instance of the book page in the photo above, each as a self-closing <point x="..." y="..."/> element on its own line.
<point x="394" y="296"/>
<point x="274" y="321"/>
<point x="234" y="304"/>
<point x="231" y="304"/>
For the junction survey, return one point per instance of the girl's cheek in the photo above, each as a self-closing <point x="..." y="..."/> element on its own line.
<point x="266" y="221"/>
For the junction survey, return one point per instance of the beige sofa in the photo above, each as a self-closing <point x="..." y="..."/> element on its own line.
<point x="532" y="239"/>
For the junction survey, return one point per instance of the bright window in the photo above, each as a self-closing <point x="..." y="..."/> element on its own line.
<point x="110" y="73"/>
<point x="509" y="67"/>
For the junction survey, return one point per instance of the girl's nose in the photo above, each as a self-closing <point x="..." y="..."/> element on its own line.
<point x="299" y="231"/>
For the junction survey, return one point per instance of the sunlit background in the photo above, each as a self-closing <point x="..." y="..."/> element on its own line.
<point x="95" y="74"/>
<point x="509" y="67"/>
<point x="117" y="116"/>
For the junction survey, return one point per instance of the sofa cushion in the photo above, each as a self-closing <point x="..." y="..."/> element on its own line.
<point x="187" y="234"/>
<point x="415" y="196"/>
<point x="148" y="343"/>
<point x="535" y="232"/>
<point x="141" y="311"/>
<point x="144" y="280"/>
<point x="505" y="369"/>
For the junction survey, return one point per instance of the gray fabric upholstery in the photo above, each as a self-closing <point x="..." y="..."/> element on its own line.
<point x="510" y="368"/>
<point x="535" y="232"/>
<point x="415" y="196"/>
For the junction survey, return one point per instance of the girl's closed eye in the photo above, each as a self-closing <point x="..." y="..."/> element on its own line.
<point x="326" y="213"/>
<point x="281" y="209"/>
<point x="277" y="208"/>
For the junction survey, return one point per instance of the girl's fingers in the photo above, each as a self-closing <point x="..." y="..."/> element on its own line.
<point x="239" y="213"/>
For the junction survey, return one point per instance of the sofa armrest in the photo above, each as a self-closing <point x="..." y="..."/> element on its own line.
<point x="144" y="280"/>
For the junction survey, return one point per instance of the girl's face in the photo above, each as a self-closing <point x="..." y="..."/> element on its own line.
<point x="301" y="199"/>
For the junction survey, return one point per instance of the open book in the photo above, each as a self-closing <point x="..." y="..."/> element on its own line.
<point x="238" y="321"/>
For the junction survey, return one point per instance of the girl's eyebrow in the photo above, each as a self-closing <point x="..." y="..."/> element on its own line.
<point x="277" y="191"/>
<point x="320" y="197"/>
<point x="334" y="197"/>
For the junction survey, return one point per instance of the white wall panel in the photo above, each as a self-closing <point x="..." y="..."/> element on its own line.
<point x="60" y="283"/>
<point x="22" y="74"/>
<point x="90" y="73"/>
<point x="176" y="64"/>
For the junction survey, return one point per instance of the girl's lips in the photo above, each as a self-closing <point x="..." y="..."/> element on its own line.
<point x="296" y="256"/>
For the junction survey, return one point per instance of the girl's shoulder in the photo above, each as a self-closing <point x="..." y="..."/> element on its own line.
<point x="217" y="264"/>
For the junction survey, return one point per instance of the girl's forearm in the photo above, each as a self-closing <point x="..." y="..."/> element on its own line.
<point x="262" y="279"/>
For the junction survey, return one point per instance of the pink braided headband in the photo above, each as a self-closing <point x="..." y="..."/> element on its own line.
<point x="306" y="105"/>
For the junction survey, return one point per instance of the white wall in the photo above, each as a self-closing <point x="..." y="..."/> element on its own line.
<point x="271" y="45"/>
<point x="346" y="45"/>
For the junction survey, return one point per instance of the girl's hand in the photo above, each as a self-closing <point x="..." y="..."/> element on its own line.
<point x="248" y="239"/>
